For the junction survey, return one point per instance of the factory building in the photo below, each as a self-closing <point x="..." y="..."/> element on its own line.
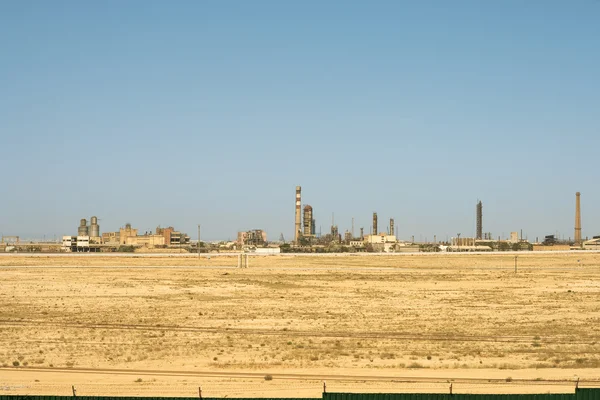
<point x="592" y="244"/>
<point x="68" y="242"/>
<point x="173" y="237"/>
<point x="129" y="236"/>
<point x="254" y="237"/>
<point x="178" y="238"/>
<point x="381" y="242"/>
<point x="380" y="238"/>
<point x="478" y="247"/>
<point x="147" y="240"/>
<point x="110" y="238"/>
<point x="347" y="237"/>
<point x="126" y="233"/>
<point x="79" y="244"/>
<point x="308" y="222"/>
<point x="87" y="239"/>
<point x="465" y="244"/>
<point x="462" y="241"/>
<point x="514" y="237"/>
<point x="357" y="244"/>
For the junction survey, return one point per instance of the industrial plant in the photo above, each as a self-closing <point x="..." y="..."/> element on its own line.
<point x="88" y="238"/>
<point x="306" y="239"/>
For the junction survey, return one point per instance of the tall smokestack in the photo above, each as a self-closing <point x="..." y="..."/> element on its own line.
<point x="297" y="229"/>
<point x="479" y="221"/>
<point x="578" y="218"/>
<point x="374" y="223"/>
<point x="391" y="226"/>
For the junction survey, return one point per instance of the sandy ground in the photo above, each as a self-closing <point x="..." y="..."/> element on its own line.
<point x="166" y="325"/>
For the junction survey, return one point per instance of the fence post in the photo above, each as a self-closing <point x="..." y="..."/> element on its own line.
<point x="324" y="387"/>
<point x="247" y="260"/>
<point x="200" y="392"/>
<point x="74" y="390"/>
<point x="450" y="389"/>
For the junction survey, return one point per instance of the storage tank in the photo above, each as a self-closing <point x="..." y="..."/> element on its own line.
<point x="83" y="228"/>
<point x="94" y="228"/>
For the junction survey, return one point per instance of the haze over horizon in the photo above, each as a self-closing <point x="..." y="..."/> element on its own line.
<point x="158" y="113"/>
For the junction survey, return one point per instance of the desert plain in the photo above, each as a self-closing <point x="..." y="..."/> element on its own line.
<point x="165" y="325"/>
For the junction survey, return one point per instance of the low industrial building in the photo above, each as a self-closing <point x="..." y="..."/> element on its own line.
<point x="148" y="240"/>
<point x="262" y="250"/>
<point x="254" y="237"/>
<point x="173" y="237"/>
<point x="592" y="244"/>
<point x="453" y="249"/>
<point x="163" y="237"/>
<point x="555" y="247"/>
<point x="110" y="238"/>
<point x="381" y="242"/>
<point x="514" y="237"/>
<point x="359" y="244"/>
<point x="80" y="244"/>
<point x="463" y="241"/>
<point x="380" y="238"/>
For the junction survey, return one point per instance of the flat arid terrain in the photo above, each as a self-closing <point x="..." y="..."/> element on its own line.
<point x="165" y="325"/>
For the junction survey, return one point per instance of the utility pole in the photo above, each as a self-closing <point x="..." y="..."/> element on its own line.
<point x="516" y="264"/>
<point x="198" y="240"/>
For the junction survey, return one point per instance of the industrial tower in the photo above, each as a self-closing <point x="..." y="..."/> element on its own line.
<point x="298" y="227"/>
<point x="479" y="234"/>
<point x="578" y="219"/>
<point x="374" y="223"/>
<point x="308" y="222"/>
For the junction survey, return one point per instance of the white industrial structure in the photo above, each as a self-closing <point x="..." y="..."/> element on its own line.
<point x="76" y="244"/>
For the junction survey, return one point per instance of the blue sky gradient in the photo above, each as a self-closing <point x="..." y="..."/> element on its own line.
<point x="211" y="112"/>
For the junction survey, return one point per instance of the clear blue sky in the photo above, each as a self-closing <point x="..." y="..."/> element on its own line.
<point x="211" y="112"/>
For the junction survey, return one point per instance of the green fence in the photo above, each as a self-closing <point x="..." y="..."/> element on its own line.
<point x="580" y="394"/>
<point x="20" y="397"/>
